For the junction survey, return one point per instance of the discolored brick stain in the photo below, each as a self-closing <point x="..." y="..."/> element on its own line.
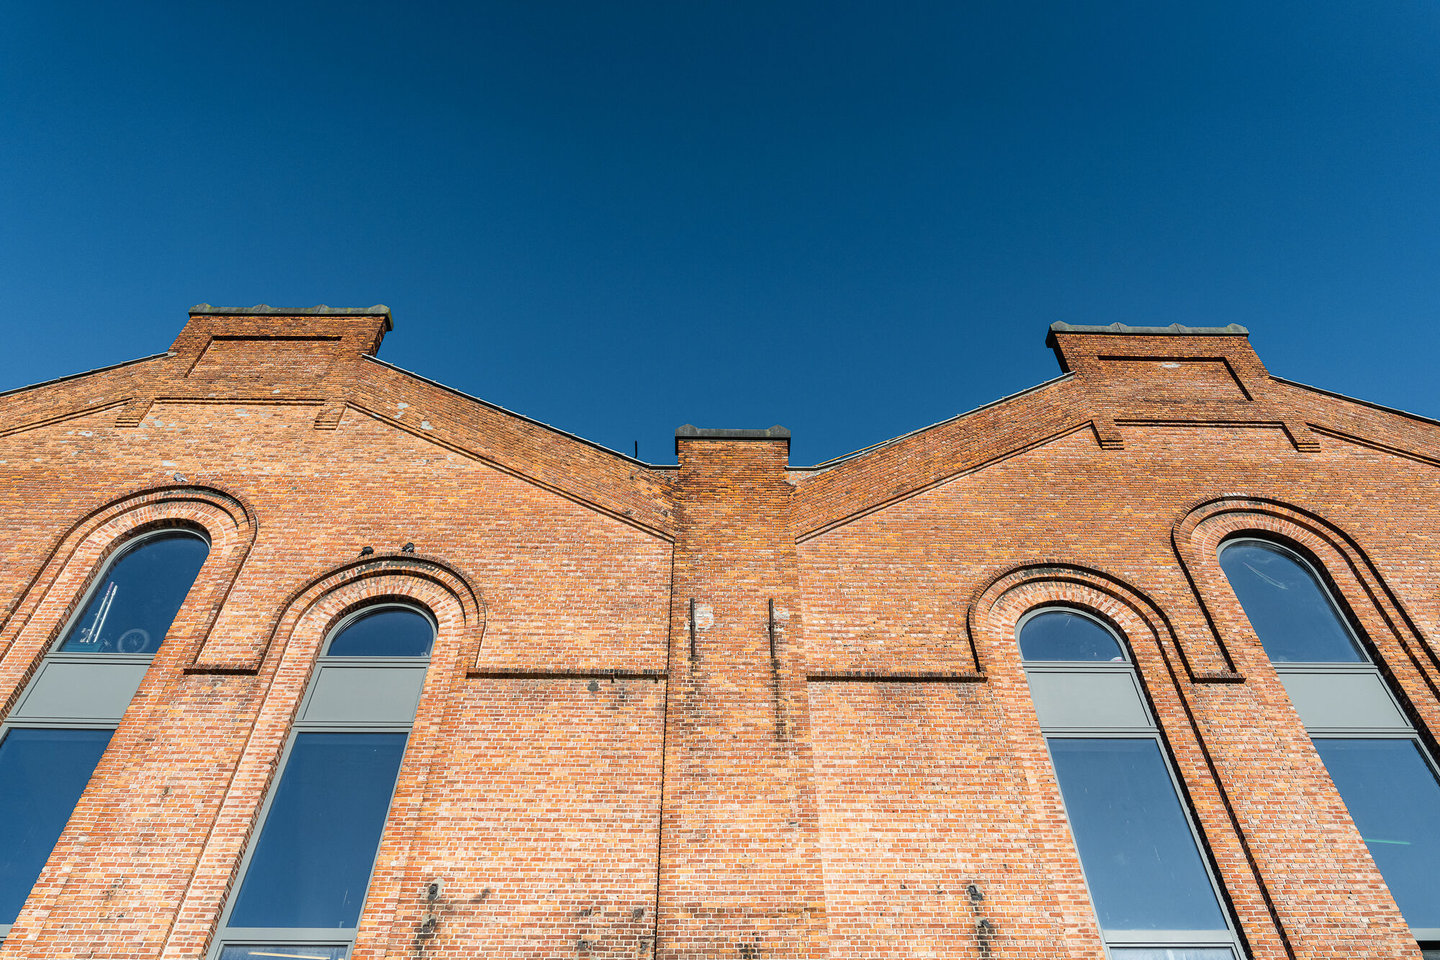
<point x="731" y="708"/>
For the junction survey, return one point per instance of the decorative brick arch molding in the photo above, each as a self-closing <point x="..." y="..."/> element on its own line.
<point x="999" y="604"/>
<point x="1387" y="626"/>
<point x="446" y="592"/>
<point x="282" y="668"/>
<point x="69" y="567"/>
<point x="1157" y="653"/>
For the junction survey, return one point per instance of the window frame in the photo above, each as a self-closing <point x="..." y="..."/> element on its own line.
<point x="1121" y="939"/>
<point x="1343" y="615"/>
<point x="129" y="546"/>
<point x="1127" y="661"/>
<point x="329" y="937"/>
<point x="54" y="654"/>
<point x="1368" y="667"/>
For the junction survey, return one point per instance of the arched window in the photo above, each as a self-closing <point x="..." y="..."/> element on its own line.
<point x="1066" y="635"/>
<point x="1292" y="613"/>
<point x="52" y="741"/>
<point x="304" y="879"/>
<point x="1153" y="891"/>
<point x="137" y="599"/>
<point x="1372" y="752"/>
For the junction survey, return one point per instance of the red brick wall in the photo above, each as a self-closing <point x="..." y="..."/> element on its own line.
<point x="835" y="756"/>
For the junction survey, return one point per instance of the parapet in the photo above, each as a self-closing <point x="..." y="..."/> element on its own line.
<point x="264" y="350"/>
<point x="689" y="431"/>
<point x="1176" y="354"/>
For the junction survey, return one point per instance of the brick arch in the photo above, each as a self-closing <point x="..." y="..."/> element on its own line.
<point x="282" y="673"/>
<point x="78" y="554"/>
<point x="1386" y="626"/>
<point x="446" y="592"/>
<point x="1000" y="603"/>
<point x="1157" y="652"/>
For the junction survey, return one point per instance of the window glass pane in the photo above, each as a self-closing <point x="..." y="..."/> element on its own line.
<point x="1135" y="842"/>
<point x="42" y="774"/>
<point x="1171" y="953"/>
<point x="1394" y="799"/>
<point x="387" y="632"/>
<point x="1062" y="635"/>
<point x="133" y="607"/>
<point x="1291" y="614"/>
<point x="312" y="862"/>
<point x="270" y="951"/>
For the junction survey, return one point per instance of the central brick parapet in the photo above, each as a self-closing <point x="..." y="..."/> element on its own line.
<point x="1139" y="376"/>
<point x="740" y="871"/>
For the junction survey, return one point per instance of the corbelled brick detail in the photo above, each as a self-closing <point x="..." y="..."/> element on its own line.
<point x="731" y="709"/>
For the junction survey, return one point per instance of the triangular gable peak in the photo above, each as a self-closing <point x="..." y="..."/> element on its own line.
<point x="323" y="358"/>
<point x="1116" y="377"/>
<point x="255" y="354"/>
<point x="326" y="356"/>
<point x="1199" y="375"/>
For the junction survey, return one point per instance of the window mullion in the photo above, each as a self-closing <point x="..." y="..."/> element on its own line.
<point x="84" y="686"/>
<point x="1087" y="726"/>
<point x="326" y="819"/>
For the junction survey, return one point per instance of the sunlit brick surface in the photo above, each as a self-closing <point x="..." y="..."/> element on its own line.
<point x="731" y="709"/>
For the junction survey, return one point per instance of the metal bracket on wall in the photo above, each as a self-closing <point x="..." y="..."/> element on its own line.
<point x="774" y="629"/>
<point x="694" y="654"/>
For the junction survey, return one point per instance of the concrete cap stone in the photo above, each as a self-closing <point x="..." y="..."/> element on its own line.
<point x="1175" y="329"/>
<point x="321" y="310"/>
<point x="689" y="431"/>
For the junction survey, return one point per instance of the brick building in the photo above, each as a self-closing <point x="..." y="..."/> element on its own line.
<point x="1140" y="660"/>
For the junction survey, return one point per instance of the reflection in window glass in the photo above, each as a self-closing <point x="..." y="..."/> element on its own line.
<point x="132" y="608"/>
<point x="1394" y="799"/>
<point x="1140" y="859"/>
<point x="42" y="774"/>
<point x="270" y="951"/>
<point x="1291" y="614"/>
<point x="387" y="632"/>
<point x="312" y="862"/>
<point x="1063" y="635"/>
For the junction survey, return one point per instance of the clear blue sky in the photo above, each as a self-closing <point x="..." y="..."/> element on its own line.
<point x="617" y="217"/>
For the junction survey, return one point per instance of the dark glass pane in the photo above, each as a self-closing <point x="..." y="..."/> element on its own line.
<point x="1394" y="799"/>
<point x="133" y="608"/>
<point x="270" y="951"/>
<point x="1062" y="635"/>
<point x="1291" y="614"/>
<point x="1171" y="953"/>
<point x="1135" y="841"/>
<point x="42" y="774"/>
<point x="387" y="632"/>
<point x="312" y="861"/>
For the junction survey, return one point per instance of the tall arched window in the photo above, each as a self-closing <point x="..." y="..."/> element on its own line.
<point x="1382" y="770"/>
<point x="304" y="878"/>
<point x="1153" y="891"/>
<point x="53" y="739"/>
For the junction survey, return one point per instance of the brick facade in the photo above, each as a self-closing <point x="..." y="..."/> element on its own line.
<point x="734" y="708"/>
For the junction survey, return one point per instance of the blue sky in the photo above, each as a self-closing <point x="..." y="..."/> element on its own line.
<point x="850" y="219"/>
